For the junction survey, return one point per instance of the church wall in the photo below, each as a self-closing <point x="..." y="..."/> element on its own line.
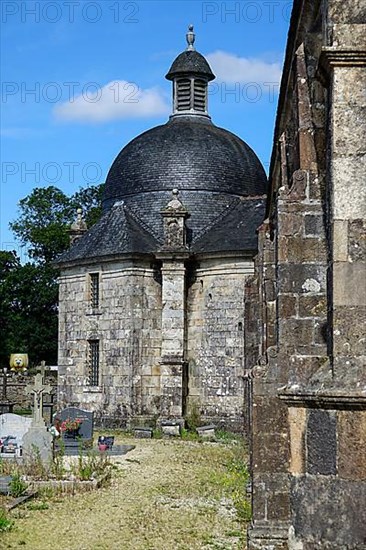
<point x="215" y="340"/>
<point x="308" y="388"/>
<point x="127" y="324"/>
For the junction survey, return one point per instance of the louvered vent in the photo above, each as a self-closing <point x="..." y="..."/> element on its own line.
<point x="199" y="98"/>
<point x="183" y="94"/>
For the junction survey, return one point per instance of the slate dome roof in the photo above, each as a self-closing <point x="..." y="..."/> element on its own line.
<point x="189" y="153"/>
<point x="192" y="62"/>
<point x="220" y="180"/>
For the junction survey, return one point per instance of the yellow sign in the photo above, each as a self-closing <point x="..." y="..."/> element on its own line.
<point x="19" y="362"/>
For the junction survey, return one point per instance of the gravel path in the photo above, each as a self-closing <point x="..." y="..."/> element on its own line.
<point x="165" y="495"/>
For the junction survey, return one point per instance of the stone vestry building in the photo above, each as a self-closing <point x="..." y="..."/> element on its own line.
<point x="306" y="305"/>
<point x="151" y="314"/>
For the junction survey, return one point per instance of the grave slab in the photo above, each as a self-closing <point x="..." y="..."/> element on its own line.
<point x="14" y="425"/>
<point x="84" y="435"/>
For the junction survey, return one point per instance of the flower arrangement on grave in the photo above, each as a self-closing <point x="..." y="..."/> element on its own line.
<point x="71" y="424"/>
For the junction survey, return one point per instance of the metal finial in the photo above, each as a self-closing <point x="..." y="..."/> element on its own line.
<point x="190" y="37"/>
<point x="175" y="192"/>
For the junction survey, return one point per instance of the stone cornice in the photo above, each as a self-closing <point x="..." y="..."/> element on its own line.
<point x="337" y="57"/>
<point x="176" y="255"/>
<point x="327" y="399"/>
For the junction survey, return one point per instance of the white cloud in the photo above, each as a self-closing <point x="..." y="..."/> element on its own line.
<point x="118" y="99"/>
<point x="231" y="68"/>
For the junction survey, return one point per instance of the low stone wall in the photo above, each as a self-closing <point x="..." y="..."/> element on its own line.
<point x="14" y="392"/>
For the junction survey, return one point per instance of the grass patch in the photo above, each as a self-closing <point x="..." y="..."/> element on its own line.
<point x="38" y="506"/>
<point x="171" y="493"/>
<point x="231" y="479"/>
<point x="5" y="523"/>
<point x="189" y="435"/>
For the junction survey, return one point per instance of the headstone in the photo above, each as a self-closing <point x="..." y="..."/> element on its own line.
<point x="15" y="426"/>
<point x="143" y="433"/>
<point x="206" y="432"/>
<point x="170" y="427"/>
<point x="84" y="434"/>
<point x="38" y="440"/>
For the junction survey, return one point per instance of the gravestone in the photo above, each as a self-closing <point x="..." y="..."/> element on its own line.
<point x="143" y="433"/>
<point x="84" y="435"/>
<point x="206" y="432"/>
<point x="16" y="426"/>
<point x="170" y="428"/>
<point x="38" y="439"/>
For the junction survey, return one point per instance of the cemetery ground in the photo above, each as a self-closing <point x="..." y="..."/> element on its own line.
<point x="165" y="494"/>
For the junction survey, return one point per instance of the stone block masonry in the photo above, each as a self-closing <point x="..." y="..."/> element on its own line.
<point x="215" y="340"/>
<point x="164" y="346"/>
<point x="307" y="384"/>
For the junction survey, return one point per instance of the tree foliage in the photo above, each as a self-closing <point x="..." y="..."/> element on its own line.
<point x="45" y="217"/>
<point x="29" y="292"/>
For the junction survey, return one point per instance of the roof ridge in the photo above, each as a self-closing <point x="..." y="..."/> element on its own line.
<point x="229" y="208"/>
<point x="141" y="223"/>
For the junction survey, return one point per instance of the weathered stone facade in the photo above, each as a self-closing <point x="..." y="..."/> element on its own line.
<point x="158" y="340"/>
<point x="215" y="340"/>
<point x="308" y="388"/>
<point x="127" y="325"/>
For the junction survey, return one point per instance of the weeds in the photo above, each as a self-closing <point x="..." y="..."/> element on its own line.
<point x="5" y="523"/>
<point x="57" y="464"/>
<point x="222" y="436"/>
<point x="34" y="465"/>
<point x="193" y="417"/>
<point x="188" y="435"/>
<point x="158" y="433"/>
<point x="17" y="486"/>
<point x="91" y="465"/>
<point x="9" y="467"/>
<point x="232" y="479"/>
<point x="38" y="506"/>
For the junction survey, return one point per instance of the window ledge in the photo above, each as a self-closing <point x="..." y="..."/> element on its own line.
<point x="92" y="389"/>
<point x="92" y="311"/>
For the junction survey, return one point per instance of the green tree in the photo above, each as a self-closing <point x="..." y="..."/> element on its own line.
<point x="9" y="264"/>
<point x="46" y="215"/>
<point x="29" y="292"/>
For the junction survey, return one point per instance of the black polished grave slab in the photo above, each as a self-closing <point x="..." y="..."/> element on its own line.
<point x="117" y="450"/>
<point x="84" y="434"/>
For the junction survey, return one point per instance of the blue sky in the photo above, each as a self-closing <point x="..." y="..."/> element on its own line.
<point x="81" y="79"/>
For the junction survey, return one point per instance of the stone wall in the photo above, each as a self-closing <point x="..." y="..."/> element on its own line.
<point x="215" y="340"/>
<point x="171" y="340"/>
<point x="128" y="327"/>
<point x="15" y="394"/>
<point x="307" y="385"/>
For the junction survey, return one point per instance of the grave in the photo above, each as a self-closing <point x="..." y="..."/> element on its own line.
<point x="171" y="428"/>
<point x="15" y="427"/>
<point x="143" y="433"/>
<point x="206" y="432"/>
<point x="83" y="435"/>
<point x="116" y="450"/>
<point x="38" y="439"/>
